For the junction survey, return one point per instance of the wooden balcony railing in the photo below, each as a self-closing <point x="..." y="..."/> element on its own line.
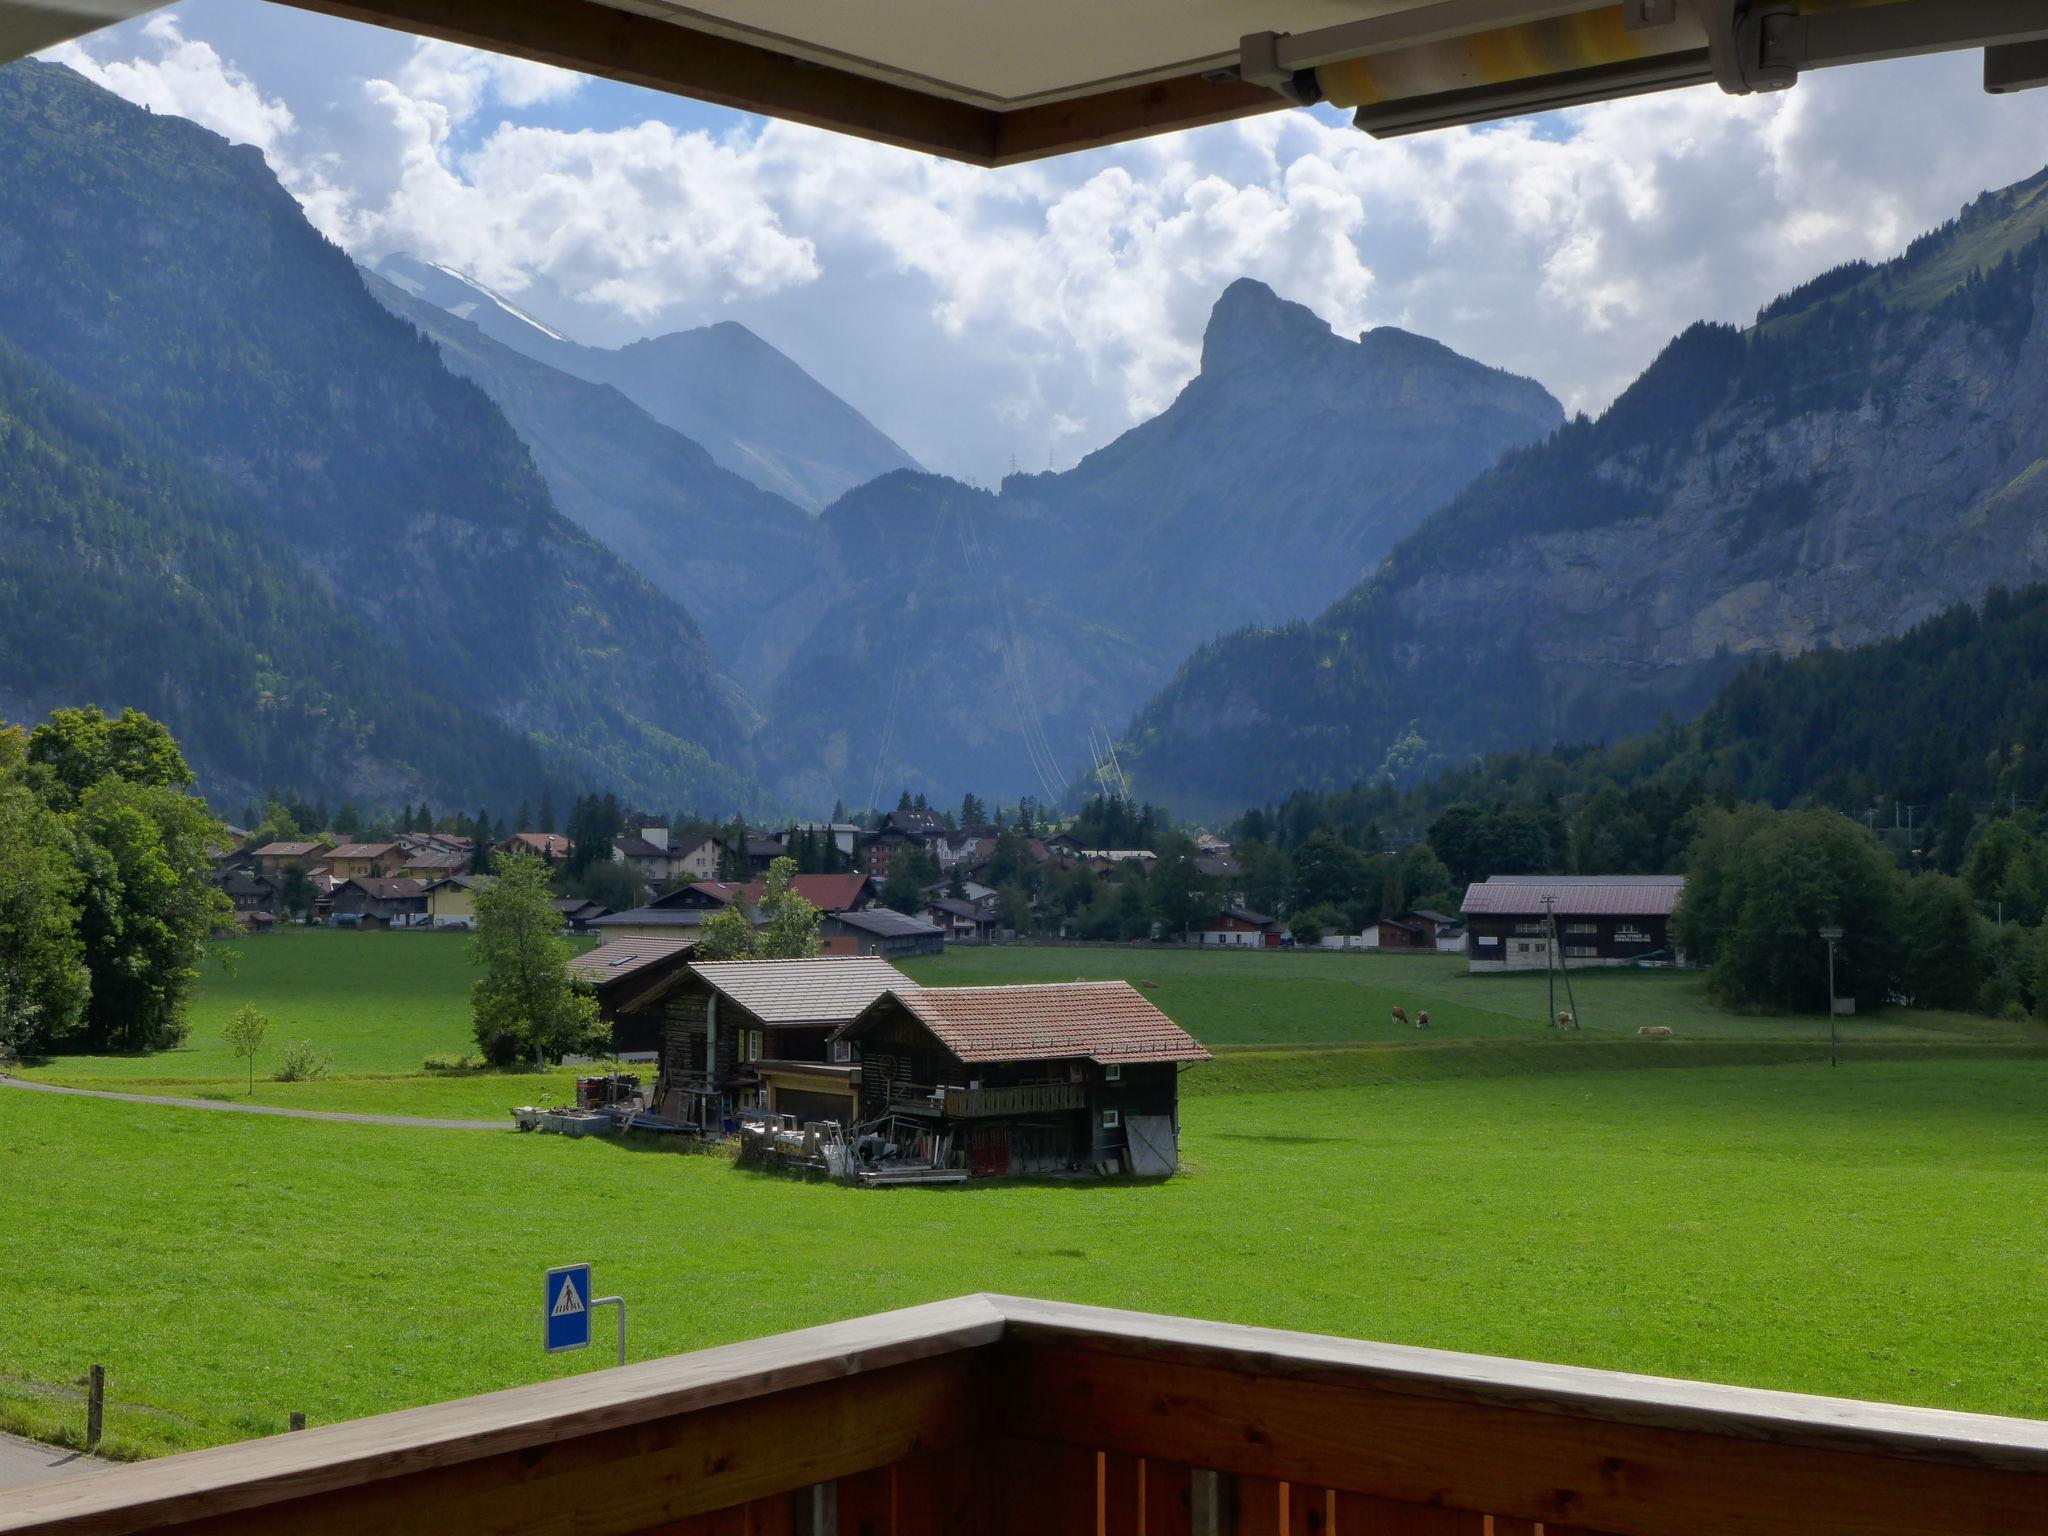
<point x="1025" y="1418"/>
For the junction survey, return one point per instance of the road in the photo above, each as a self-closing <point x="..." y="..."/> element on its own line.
<point x="26" y="1461"/>
<point x="421" y="1122"/>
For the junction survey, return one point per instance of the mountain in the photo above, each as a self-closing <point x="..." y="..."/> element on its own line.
<point x="166" y="276"/>
<point x="1867" y="454"/>
<point x="757" y="413"/>
<point x="723" y="548"/>
<point x="206" y="620"/>
<point x="963" y="639"/>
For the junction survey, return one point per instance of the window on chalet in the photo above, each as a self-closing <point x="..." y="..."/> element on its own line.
<point x="1581" y="952"/>
<point x="1529" y="928"/>
<point x="1581" y="927"/>
<point x="1110" y="1119"/>
<point x="1113" y="1073"/>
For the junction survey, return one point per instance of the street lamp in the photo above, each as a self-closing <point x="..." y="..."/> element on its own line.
<point x="1832" y="935"/>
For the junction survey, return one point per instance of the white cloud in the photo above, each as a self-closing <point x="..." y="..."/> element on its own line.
<point x="187" y="78"/>
<point x="977" y="314"/>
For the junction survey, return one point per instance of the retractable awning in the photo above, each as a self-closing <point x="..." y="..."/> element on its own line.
<point x="997" y="82"/>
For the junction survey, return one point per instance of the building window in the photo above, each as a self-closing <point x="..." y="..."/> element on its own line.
<point x="1581" y="952"/>
<point x="1113" y="1073"/>
<point x="752" y="1046"/>
<point x="842" y="1050"/>
<point x="1528" y="928"/>
<point x="1110" y="1119"/>
<point x="1581" y="927"/>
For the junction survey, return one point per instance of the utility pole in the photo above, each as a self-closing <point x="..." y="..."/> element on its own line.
<point x="1549" y="948"/>
<point x="1832" y="935"/>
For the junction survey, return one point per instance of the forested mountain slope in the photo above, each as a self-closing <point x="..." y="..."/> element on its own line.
<point x="964" y="639"/>
<point x="167" y="277"/>
<point x="127" y="578"/>
<point x="718" y="544"/>
<point x="1866" y="455"/>
<point x="754" y="410"/>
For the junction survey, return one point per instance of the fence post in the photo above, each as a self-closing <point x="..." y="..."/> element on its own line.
<point x="95" y="1405"/>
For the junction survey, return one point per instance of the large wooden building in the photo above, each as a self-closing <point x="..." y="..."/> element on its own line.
<point x="1599" y="920"/>
<point x="756" y="1034"/>
<point x="1069" y="1077"/>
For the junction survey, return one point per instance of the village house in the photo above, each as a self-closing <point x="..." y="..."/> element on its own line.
<point x="1600" y="920"/>
<point x="848" y="892"/>
<point x="1236" y="928"/>
<point x="551" y="846"/>
<point x="273" y="859"/>
<point x="579" y="914"/>
<point x="249" y="891"/>
<point x="756" y="1034"/>
<point x="430" y="864"/>
<point x="375" y="860"/>
<point x="695" y="856"/>
<point x="964" y="922"/>
<point x="621" y="974"/>
<point x="451" y="901"/>
<point x="880" y="932"/>
<point x="367" y="902"/>
<point x="1066" y="1077"/>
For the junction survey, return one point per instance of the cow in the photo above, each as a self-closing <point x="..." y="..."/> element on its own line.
<point x="1566" y="1020"/>
<point x="1400" y="1014"/>
<point x="1422" y="1018"/>
<point x="1655" y="1031"/>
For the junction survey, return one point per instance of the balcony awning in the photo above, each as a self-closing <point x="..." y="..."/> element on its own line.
<point x="993" y="82"/>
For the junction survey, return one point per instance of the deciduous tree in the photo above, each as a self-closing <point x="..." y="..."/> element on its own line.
<point x="526" y="1003"/>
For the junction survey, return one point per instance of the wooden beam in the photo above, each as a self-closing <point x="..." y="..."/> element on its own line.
<point x="1532" y="1460"/>
<point x="610" y="1451"/>
<point x="1126" y="113"/>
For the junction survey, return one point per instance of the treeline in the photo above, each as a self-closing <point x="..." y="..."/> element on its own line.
<point x="105" y="905"/>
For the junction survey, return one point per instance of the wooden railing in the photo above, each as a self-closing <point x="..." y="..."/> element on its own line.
<point x="1024" y="1418"/>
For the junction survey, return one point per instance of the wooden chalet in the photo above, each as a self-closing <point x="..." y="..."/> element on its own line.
<point x="1604" y="920"/>
<point x="881" y="932"/>
<point x="376" y="860"/>
<point x="371" y="903"/>
<point x="756" y="1034"/>
<point x="1236" y="928"/>
<point x="625" y="972"/>
<point x="1064" y="1077"/>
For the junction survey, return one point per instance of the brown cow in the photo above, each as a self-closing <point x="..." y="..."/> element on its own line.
<point x="1400" y="1014"/>
<point x="1422" y="1019"/>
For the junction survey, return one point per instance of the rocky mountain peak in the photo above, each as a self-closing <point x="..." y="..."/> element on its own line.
<point x="1252" y="327"/>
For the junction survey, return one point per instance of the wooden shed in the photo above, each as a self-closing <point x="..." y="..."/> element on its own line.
<point x="1066" y="1077"/>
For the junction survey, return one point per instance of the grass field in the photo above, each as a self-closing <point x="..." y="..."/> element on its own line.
<point x="1880" y="1230"/>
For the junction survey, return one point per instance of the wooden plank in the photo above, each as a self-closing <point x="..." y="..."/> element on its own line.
<point x="1310" y="1511"/>
<point x="1507" y="1525"/>
<point x="1043" y="1488"/>
<point x="867" y="1503"/>
<point x="579" y="1427"/>
<point x="774" y="1516"/>
<point x="1123" y="1496"/>
<point x="1261" y="1507"/>
<point x="943" y="1492"/>
<point x="1549" y="1464"/>
<point x="1123" y="113"/>
<point x="1168" y="1509"/>
<point x="1362" y="1515"/>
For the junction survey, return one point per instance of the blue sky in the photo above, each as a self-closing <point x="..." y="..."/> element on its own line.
<point x="1034" y="313"/>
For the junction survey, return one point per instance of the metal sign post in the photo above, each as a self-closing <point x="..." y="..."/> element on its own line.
<point x="1832" y="936"/>
<point x="566" y="1304"/>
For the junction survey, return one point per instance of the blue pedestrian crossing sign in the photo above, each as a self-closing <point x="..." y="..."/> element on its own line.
<point x="567" y="1307"/>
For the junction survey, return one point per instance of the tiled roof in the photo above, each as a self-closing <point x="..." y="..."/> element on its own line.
<point x="626" y="957"/>
<point x="287" y="850"/>
<point x="388" y="890"/>
<point x="1105" y="1021"/>
<point x="827" y="990"/>
<point x="364" y="851"/>
<point x="885" y="923"/>
<point x="1575" y="895"/>
<point x="657" y="917"/>
<point x="638" y="848"/>
<point x="549" y="845"/>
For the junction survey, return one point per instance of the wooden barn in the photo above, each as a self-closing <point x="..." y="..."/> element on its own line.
<point x="1068" y="1077"/>
<point x="756" y="1034"/>
<point x="1603" y="920"/>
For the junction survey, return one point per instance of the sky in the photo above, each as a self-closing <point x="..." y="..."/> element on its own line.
<point x="1027" y="316"/>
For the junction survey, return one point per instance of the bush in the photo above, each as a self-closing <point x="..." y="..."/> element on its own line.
<point x="453" y="1063"/>
<point x="301" y="1063"/>
<point x="1309" y="927"/>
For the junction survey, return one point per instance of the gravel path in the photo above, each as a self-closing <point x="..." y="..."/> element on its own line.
<point x="422" y="1122"/>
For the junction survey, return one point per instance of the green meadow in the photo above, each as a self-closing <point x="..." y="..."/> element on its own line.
<point x="1722" y="1206"/>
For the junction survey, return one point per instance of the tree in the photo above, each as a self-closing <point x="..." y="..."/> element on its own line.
<point x="1941" y="956"/>
<point x="147" y="908"/>
<point x="78" y="748"/>
<point x="613" y="883"/>
<point x="44" y="983"/>
<point x="972" y="812"/>
<point x="1760" y="885"/>
<point x="525" y="1002"/>
<point x="296" y="894"/>
<point x="912" y="871"/>
<point x="791" y="932"/>
<point x="245" y="1032"/>
<point x="727" y="934"/>
<point x="547" y="811"/>
<point x="1327" y="873"/>
<point x="1180" y="895"/>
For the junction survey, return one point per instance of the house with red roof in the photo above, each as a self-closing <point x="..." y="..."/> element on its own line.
<point x="1061" y="1078"/>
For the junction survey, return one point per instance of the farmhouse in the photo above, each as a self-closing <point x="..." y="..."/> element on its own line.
<point x="748" y="1034"/>
<point x="551" y="846"/>
<point x="1598" y="920"/>
<point x="881" y="932"/>
<point x="621" y="975"/>
<point x="372" y="903"/>
<point x="451" y="903"/>
<point x="1236" y="928"/>
<point x="1068" y="1077"/>
<point x="964" y="922"/>
<point x="273" y="859"/>
<point x="375" y="860"/>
